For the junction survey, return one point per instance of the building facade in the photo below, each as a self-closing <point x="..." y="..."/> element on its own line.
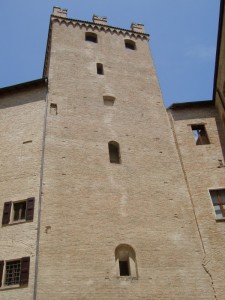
<point x="105" y="193"/>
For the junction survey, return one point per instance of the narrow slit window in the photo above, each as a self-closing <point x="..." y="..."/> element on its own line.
<point x="114" y="152"/>
<point x="100" y="69"/>
<point x="129" y="44"/>
<point x="124" y="268"/>
<point x="91" y="37"/>
<point x="125" y="258"/>
<point x="200" y="135"/>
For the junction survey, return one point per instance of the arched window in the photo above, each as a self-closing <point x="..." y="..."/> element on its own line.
<point x="129" y="44"/>
<point x="91" y="37"/>
<point x="109" y="100"/>
<point x="125" y="261"/>
<point x="114" y="152"/>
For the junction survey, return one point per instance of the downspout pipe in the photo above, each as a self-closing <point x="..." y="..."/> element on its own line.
<point x="40" y="193"/>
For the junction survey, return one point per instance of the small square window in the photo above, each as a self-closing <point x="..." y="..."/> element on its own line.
<point x="91" y="37"/>
<point x="218" y="201"/>
<point x="12" y="274"/>
<point x="129" y="44"/>
<point x="200" y="134"/>
<point x="19" y="211"/>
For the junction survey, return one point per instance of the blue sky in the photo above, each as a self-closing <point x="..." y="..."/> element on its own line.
<point x="183" y="36"/>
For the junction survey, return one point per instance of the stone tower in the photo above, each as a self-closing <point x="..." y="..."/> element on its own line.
<point x="113" y="217"/>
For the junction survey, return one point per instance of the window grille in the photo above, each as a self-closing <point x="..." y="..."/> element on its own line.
<point x="13" y="269"/>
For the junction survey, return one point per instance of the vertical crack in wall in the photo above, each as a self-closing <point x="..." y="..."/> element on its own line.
<point x="204" y="264"/>
<point x="192" y="203"/>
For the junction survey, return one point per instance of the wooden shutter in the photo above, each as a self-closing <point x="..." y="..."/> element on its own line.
<point x="1" y="271"/>
<point x="24" y="271"/>
<point x="30" y="209"/>
<point x="6" y="213"/>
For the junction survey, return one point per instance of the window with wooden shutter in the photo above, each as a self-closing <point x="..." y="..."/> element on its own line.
<point x="1" y="271"/>
<point x="30" y="209"/>
<point x="24" y="273"/>
<point x="6" y="213"/>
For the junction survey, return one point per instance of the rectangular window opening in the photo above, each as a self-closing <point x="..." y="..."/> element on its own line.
<point x="53" y="109"/>
<point x="218" y="201"/>
<point x="200" y="134"/>
<point x="19" y="209"/>
<point x="13" y="269"/>
<point x="100" y="69"/>
<point x="124" y="268"/>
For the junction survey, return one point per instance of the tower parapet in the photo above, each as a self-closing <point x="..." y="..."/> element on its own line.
<point x="99" y="20"/>
<point x="60" y="12"/>
<point x="138" y="27"/>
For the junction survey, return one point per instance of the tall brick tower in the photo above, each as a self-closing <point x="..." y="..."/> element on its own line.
<point x="116" y="219"/>
<point x="113" y="217"/>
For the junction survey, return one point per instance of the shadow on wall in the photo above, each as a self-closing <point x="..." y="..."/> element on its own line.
<point x="22" y="97"/>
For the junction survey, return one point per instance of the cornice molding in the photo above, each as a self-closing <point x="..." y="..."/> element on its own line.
<point x="99" y="27"/>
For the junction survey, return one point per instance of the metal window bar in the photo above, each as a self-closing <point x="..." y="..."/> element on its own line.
<point x="13" y="269"/>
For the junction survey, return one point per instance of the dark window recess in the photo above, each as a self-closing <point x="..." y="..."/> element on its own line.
<point x="53" y="109"/>
<point x="218" y="201"/>
<point x="109" y="100"/>
<point x="6" y="213"/>
<point x="129" y="44"/>
<point x="12" y="274"/>
<point x="124" y="268"/>
<point x="100" y="69"/>
<point x="91" y="37"/>
<point x="200" y="135"/>
<point x="1" y="271"/>
<point x="19" y="209"/>
<point x="114" y="152"/>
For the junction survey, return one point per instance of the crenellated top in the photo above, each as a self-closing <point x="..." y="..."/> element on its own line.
<point x="99" y="23"/>
<point x="59" y="16"/>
